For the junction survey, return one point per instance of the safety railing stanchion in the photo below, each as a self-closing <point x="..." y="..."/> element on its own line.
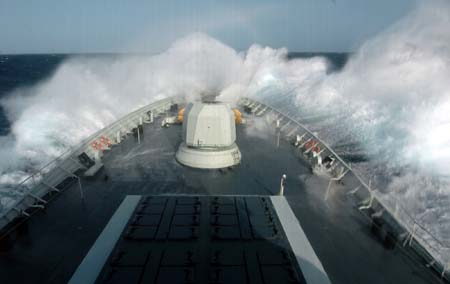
<point x="118" y="137"/>
<point x="444" y="271"/>
<point x="327" y="193"/>
<point x="410" y="236"/>
<point x="351" y="192"/>
<point x="78" y="178"/>
<point x="411" y="232"/>
<point x="138" y="134"/>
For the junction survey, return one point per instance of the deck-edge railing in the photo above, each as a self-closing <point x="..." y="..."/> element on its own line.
<point x="31" y="190"/>
<point x="411" y="227"/>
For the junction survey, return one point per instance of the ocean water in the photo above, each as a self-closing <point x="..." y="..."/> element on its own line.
<point x="21" y="71"/>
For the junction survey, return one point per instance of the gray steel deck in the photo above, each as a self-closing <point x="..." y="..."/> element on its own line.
<point x="51" y="245"/>
<point x="202" y="239"/>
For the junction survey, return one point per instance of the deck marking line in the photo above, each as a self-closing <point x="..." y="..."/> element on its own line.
<point x="89" y="269"/>
<point x="307" y="259"/>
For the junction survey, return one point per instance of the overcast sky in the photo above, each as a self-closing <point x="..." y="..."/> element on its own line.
<point x="67" y="26"/>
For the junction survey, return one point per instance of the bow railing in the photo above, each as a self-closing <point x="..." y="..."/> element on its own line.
<point x="413" y="233"/>
<point x="31" y="191"/>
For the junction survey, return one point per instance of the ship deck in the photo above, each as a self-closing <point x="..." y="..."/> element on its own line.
<point x="49" y="247"/>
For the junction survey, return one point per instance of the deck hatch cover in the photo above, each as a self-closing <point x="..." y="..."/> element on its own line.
<point x="204" y="239"/>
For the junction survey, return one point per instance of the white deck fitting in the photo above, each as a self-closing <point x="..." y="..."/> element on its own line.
<point x="209" y="135"/>
<point x="307" y="259"/>
<point x="96" y="258"/>
<point x="92" y="171"/>
<point x="204" y="159"/>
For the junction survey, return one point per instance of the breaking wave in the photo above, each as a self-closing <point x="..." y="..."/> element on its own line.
<point x="389" y="107"/>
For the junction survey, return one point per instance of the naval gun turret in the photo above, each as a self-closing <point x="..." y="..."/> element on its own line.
<point x="209" y="136"/>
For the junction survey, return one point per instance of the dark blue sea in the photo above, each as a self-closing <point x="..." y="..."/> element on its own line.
<point x="21" y="71"/>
